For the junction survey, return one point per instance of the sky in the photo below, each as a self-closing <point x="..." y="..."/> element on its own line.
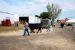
<point x="35" y="7"/>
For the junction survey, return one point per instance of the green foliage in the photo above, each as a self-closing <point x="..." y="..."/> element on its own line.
<point x="37" y="16"/>
<point x="44" y="15"/>
<point x="54" y="11"/>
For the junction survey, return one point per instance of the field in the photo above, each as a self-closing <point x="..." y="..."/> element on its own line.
<point x="12" y="28"/>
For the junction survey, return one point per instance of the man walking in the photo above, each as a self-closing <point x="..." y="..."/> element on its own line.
<point x="49" y="24"/>
<point x="26" y="28"/>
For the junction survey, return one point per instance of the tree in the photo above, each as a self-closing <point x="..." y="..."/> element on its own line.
<point x="54" y="11"/>
<point x="37" y="16"/>
<point x="44" y="15"/>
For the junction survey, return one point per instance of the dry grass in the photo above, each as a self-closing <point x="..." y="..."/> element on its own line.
<point x="12" y="28"/>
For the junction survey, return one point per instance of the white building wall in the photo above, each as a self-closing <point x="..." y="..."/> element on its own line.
<point x="14" y="18"/>
<point x="33" y="19"/>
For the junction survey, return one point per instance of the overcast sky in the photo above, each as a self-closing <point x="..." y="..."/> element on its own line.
<point x="33" y="7"/>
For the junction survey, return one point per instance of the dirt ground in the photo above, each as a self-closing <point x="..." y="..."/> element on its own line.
<point x="56" y="39"/>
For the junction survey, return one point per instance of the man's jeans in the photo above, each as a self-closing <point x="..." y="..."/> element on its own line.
<point x="26" y="30"/>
